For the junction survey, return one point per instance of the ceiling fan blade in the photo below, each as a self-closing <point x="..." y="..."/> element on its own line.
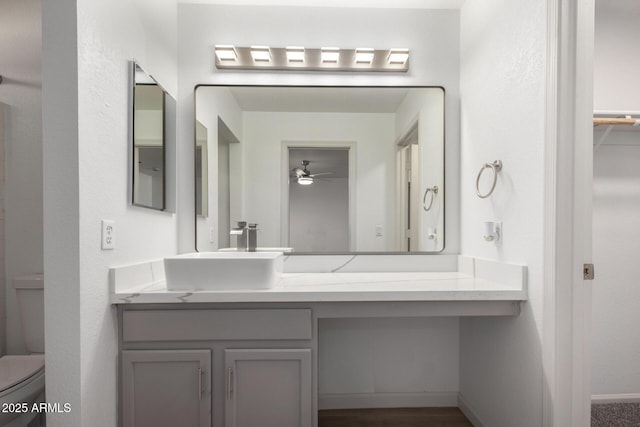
<point x="321" y="173"/>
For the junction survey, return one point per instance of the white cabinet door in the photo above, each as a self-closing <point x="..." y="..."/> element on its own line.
<point x="268" y="388"/>
<point x="166" y="388"/>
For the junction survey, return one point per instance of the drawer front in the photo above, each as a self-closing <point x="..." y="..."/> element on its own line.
<point x="207" y="325"/>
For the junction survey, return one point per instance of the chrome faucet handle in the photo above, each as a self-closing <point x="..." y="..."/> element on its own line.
<point x="252" y="240"/>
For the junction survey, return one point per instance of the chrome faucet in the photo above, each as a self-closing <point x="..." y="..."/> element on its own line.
<point x="241" y="232"/>
<point x="252" y="241"/>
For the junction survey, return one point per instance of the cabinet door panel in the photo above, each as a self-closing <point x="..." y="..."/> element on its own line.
<point x="268" y="388"/>
<point x="166" y="388"/>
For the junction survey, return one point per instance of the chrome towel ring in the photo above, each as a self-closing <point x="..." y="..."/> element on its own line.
<point x="434" y="191"/>
<point x="496" y="166"/>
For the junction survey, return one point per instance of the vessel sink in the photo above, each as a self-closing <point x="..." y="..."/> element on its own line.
<point x="219" y="271"/>
<point x="259" y="249"/>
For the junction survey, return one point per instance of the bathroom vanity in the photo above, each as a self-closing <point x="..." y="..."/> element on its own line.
<point x="189" y="365"/>
<point x="250" y="357"/>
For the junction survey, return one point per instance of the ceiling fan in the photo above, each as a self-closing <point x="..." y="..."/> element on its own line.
<point x="304" y="175"/>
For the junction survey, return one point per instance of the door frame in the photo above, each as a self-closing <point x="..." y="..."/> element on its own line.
<point x="567" y="213"/>
<point x="401" y="143"/>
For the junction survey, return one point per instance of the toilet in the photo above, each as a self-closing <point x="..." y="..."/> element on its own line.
<point x="22" y="376"/>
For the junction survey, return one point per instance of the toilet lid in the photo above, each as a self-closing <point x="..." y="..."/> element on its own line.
<point x="15" y="369"/>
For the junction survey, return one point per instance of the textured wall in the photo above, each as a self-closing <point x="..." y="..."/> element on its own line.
<point x="502" y="85"/>
<point x="87" y="48"/>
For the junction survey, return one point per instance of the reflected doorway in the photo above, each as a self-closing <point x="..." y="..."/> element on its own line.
<point x="409" y="191"/>
<point x="319" y="199"/>
<point x="225" y="139"/>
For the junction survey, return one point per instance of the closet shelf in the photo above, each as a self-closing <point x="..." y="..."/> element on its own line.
<point x="616" y="121"/>
<point x="610" y="120"/>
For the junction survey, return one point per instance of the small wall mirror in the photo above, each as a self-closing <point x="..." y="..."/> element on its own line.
<point x="321" y="169"/>
<point x="149" y="101"/>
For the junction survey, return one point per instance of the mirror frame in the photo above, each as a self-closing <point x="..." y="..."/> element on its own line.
<point x="354" y="253"/>
<point x="132" y="138"/>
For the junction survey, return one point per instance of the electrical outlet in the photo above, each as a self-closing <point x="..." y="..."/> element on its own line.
<point x="108" y="234"/>
<point x="212" y="235"/>
<point x="378" y="231"/>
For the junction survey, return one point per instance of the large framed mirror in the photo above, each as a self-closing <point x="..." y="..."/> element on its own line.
<point x="150" y="104"/>
<point x="326" y="170"/>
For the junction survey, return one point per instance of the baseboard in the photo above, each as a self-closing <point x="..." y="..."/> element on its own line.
<point x="387" y="400"/>
<point x="469" y="412"/>
<point x="616" y="398"/>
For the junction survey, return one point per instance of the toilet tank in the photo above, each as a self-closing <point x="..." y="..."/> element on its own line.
<point x="30" y="294"/>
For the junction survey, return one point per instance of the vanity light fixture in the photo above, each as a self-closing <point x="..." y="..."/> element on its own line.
<point x="364" y="56"/>
<point x="260" y="53"/>
<point x="305" y="180"/>
<point x="330" y="55"/>
<point x="295" y="55"/>
<point x="398" y="56"/>
<point x="299" y="58"/>
<point x="226" y="53"/>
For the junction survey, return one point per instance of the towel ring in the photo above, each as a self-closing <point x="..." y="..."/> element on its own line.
<point x="496" y="166"/>
<point x="434" y="191"/>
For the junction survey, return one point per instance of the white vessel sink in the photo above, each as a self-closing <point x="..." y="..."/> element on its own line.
<point x="259" y="249"/>
<point x="219" y="271"/>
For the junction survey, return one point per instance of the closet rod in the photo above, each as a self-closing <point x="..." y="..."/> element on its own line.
<point x="615" y="121"/>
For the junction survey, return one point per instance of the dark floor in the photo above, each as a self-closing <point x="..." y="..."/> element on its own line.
<point x="395" y="417"/>
<point x="615" y="415"/>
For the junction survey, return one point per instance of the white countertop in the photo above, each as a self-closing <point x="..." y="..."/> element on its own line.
<point x="340" y="287"/>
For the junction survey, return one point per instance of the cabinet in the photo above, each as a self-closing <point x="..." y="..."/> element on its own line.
<point x="166" y="388"/>
<point x="216" y="367"/>
<point x="268" y="388"/>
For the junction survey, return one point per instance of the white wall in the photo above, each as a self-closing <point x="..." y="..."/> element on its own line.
<point x="616" y="25"/>
<point x="380" y="356"/>
<point x="502" y="86"/>
<point x="20" y="50"/>
<point x="616" y="206"/>
<point x="431" y="35"/>
<point x="616" y="237"/>
<point x="87" y="48"/>
<point x="373" y="135"/>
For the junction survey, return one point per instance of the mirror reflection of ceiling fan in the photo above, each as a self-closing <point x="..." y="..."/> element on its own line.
<point x="304" y="175"/>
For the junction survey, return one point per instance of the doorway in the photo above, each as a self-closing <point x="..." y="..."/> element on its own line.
<point x="225" y="139"/>
<point x="318" y="192"/>
<point x="408" y="190"/>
